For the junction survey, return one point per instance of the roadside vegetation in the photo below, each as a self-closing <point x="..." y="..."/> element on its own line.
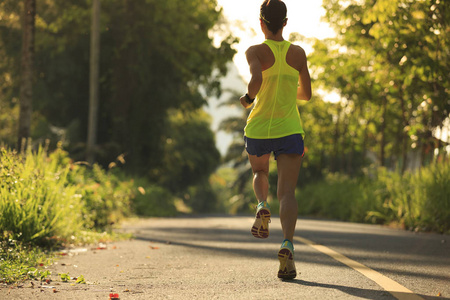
<point x="380" y="154"/>
<point x="47" y="201"/>
<point x="417" y="201"/>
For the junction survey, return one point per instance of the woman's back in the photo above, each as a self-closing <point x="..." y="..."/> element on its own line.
<point x="275" y="113"/>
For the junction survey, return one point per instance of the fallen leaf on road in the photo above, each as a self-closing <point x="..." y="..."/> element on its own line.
<point x="81" y="279"/>
<point x="113" y="296"/>
<point x="126" y="291"/>
<point x="154" y="248"/>
<point x="55" y="291"/>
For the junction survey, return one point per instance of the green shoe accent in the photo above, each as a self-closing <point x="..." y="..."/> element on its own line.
<point x="263" y="204"/>
<point x="287" y="244"/>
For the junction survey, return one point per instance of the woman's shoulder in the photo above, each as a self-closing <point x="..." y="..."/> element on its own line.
<point x="257" y="48"/>
<point x="298" y="50"/>
<point x="296" y="57"/>
<point x="261" y="51"/>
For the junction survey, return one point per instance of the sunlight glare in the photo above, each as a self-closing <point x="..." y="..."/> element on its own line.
<point x="243" y="17"/>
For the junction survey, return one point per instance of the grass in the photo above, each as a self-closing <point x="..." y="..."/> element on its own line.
<point x="19" y="262"/>
<point x="36" y="203"/>
<point x="415" y="200"/>
<point x="47" y="201"/>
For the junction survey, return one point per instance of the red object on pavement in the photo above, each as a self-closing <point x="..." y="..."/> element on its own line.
<point x="113" y="296"/>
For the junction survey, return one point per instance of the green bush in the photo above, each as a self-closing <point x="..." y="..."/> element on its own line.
<point x="432" y="197"/>
<point x="106" y="197"/>
<point x="36" y="205"/>
<point x="415" y="200"/>
<point x="338" y="197"/>
<point x="153" y="201"/>
<point x="202" y="198"/>
<point x="46" y="199"/>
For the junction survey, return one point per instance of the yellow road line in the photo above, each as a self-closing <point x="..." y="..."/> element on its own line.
<point x="397" y="290"/>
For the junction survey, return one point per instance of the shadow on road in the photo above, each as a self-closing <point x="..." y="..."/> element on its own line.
<point x="359" y="292"/>
<point x="371" y="245"/>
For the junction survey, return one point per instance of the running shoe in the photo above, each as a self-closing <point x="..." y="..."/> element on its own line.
<point x="286" y="257"/>
<point x="260" y="228"/>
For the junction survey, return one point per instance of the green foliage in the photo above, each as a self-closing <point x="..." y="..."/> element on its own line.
<point x="35" y="202"/>
<point x="20" y="262"/>
<point x="44" y="199"/>
<point x="415" y="200"/>
<point x="155" y="56"/>
<point x="65" y="277"/>
<point x="333" y="198"/>
<point x="106" y="197"/>
<point x="389" y="63"/>
<point x="153" y="201"/>
<point x="418" y="200"/>
<point x="80" y="279"/>
<point x="201" y="198"/>
<point x="190" y="154"/>
<point x="221" y="183"/>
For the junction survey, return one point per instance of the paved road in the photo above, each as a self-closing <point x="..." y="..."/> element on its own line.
<point x="214" y="257"/>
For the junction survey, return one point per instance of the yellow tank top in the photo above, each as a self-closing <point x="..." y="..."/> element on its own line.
<point x="275" y="113"/>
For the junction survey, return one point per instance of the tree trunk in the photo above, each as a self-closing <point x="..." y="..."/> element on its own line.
<point x="336" y="137"/>
<point x="26" y="80"/>
<point x="405" y="136"/>
<point x="93" y="83"/>
<point x="383" y="132"/>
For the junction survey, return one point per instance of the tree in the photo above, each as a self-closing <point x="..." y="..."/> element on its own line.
<point x="394" y="55"/>
<point x="26" y="83"/>
<point x="93" y="83"/>
<point x="155" y="57"/>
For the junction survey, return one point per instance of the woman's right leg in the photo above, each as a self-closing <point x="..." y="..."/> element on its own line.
<point x="260" y="168"/>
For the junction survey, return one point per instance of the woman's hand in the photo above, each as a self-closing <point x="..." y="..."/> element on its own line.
<point x="244" y="103"/>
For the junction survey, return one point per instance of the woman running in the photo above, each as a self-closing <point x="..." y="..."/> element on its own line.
<point x="279" y="76"/>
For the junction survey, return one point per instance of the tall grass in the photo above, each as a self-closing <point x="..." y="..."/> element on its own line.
<point x="415" y="200"/>
<point x="105" y="196"/>
<point x="36" y="205"/>
<point x="47" y="199"/>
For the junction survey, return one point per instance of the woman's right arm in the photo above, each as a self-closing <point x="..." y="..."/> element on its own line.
<point x="256" y="72"/>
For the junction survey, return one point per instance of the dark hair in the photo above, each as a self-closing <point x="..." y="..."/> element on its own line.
<point x="273" y="13"/>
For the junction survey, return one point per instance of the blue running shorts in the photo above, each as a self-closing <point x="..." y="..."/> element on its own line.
<point x="285" y="145"/>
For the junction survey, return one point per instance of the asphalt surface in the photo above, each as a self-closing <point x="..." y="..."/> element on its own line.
<point x="216" y="257"/>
